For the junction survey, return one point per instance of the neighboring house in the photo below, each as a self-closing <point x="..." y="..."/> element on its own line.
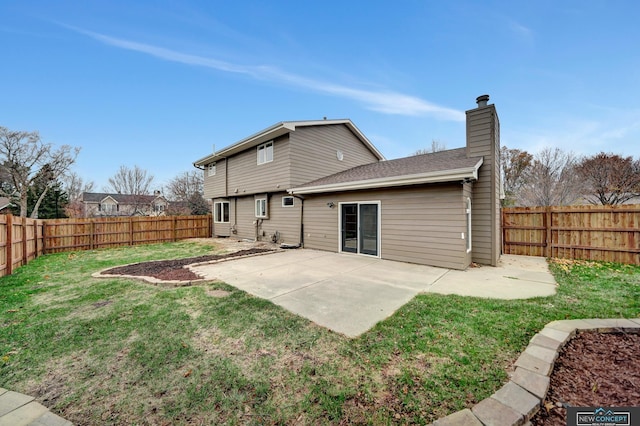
<point x="97" y="204"/>
<point x="323" y="185"/>
<point x="5" y="205"/>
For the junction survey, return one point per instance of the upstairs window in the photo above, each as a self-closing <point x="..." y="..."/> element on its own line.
<point x="108" y="208"/>
<point x="265" y="153"/>
<point x="211" y="169"/>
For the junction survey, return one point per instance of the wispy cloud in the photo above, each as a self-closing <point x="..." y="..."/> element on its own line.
<point x="521" y="31"/>
<point x="383" y="101"/>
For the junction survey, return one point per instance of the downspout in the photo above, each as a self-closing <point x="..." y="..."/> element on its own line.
<point x="226" y="176"/>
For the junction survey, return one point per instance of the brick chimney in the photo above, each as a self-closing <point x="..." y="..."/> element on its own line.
<point x="483" y="140"/>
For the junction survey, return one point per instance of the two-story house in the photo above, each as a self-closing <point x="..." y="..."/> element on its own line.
<point x="100" y="204"/>
<point x="323" y="185"/>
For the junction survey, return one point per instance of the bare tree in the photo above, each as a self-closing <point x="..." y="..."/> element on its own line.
<point x="24" y="157"/>
<point x="514" y="164"/>
<point x="435" y="147"/>
<point x="185" y="185"/>
<point x="610" y="179"/>
<point x="135" y="181"/>
<point x="551" y="180"/>
<point x="74" y="186"/>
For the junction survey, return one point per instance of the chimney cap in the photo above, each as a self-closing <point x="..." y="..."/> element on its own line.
<point x="482" y="100"/>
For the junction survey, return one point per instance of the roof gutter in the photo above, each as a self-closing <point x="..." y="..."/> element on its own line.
<point x="463" y="174"/>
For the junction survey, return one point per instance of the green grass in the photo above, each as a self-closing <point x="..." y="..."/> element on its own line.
<point x="120" y="351"/>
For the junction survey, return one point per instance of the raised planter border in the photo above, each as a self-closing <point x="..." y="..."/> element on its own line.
<point x="521" y="398"/>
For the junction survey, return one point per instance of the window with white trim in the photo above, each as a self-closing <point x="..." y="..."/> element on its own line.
<point x="108" y="208"/>
<point x="221" y="212"/>
<point x="261" y="207"/>
<point x="211" y="169"/>
<point x="468" y="215"/>
<point x="287" y="201"/>
<point x="265" y="153"/>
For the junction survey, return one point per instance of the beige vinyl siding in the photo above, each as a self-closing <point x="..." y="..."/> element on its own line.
<point x="418" y="224"/>
<point x="284" y="220"/>
<point x="482" y="134"/>
<point x="314" y="148"/>
<point x="244" y="216"/>
<point x="215" y="186"/>
<point x="245" y="176"/>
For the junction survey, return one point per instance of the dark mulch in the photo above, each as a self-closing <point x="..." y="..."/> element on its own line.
<point x="175" y="269"/>
<point x="593" y="370"/>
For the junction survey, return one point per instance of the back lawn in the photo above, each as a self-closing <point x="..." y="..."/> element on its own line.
<point x="121" y="351"/>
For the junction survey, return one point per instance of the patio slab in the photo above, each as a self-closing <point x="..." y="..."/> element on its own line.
<point x="351" y="293"/>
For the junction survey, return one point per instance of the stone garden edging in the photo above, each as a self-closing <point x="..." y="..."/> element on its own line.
<point x="521" y="398"/>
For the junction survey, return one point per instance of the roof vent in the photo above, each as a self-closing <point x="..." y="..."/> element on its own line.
<point x="482" y="100"/>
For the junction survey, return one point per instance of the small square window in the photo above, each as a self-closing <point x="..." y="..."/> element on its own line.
<point x="261" y="207"/>
<point x="211" y="169"/>
<point x="287" y="202"/>
<point x="265" y="153"/>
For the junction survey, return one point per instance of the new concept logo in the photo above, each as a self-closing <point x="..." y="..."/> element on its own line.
<point x="601" y="416"/>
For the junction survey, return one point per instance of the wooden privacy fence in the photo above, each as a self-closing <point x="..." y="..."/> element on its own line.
<point x="20" y="242"/>
<point x="573" y="232"/>
<point x="23" y="239"/>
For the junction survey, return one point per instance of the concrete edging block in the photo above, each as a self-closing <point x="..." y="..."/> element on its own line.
<point x="534" y="383"/>
<point x="518" y="399"/>
<point x="492" y="412"/>
<point x="459" y="418"/>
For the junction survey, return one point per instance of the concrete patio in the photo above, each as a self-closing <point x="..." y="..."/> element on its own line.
<point x="351" y="293"/>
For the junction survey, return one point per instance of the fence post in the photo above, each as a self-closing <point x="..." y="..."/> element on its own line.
<point x="25" y="257"/>
<point x="174" y="230"/>
<point x="92" y="231"/>
<point x="130" y="230"/>
<point x="35" y="238"/>
<point x="44" y="238"/>
<point x="548" y="235"/>
<point x="9" y="247"/>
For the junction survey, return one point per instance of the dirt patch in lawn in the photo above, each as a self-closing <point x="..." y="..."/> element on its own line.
<point x="175" y="269"/>
<point x="593" y="370"/>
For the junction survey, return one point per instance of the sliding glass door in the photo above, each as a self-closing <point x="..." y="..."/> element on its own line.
<point x="359" y="228"/>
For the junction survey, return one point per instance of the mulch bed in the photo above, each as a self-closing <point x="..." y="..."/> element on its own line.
<point x="593" y="370"/>
<point x="169" y="270"/>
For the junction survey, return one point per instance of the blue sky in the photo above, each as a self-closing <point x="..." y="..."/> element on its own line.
<point x="158" y="83"/>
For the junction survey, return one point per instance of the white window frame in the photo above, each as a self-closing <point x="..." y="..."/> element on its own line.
<point x="219" y="208"/>
<point x="108" y="208"/>
<point x="211" y="169"/>
<point x="379" y="248"/>
<point x="288" y="197"/>
<point x="261" y="208"/>
<point x="468" y="216"/>
<point x="265" y="153"/>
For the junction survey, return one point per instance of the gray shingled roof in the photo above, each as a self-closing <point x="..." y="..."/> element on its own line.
<point x="96" y="197"/>
<point x="441" y="161"/>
